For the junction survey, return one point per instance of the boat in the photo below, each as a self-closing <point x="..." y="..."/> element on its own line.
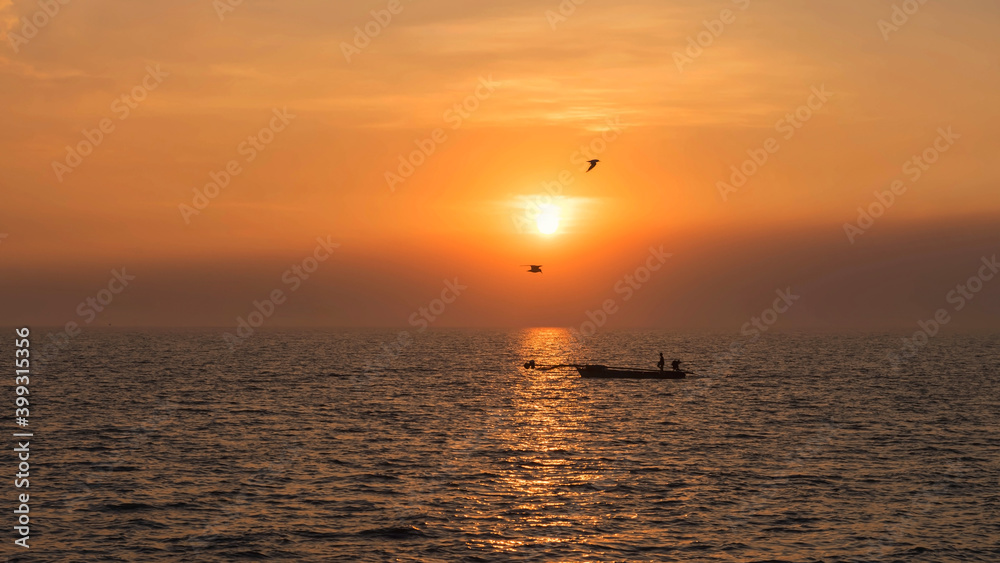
<point x="599" y="371"/>
<point x="605" y="372"/>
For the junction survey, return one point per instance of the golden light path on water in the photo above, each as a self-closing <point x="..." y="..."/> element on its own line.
<point x="546" y="421"/>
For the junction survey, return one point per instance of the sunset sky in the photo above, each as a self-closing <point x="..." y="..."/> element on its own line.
<point x="668" y="120"/>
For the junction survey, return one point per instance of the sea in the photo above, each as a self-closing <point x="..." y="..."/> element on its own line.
<point x="394" y="445"/>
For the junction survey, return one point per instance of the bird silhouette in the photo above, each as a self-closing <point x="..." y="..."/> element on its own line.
<point x="593" y="163"/>
<point x="534" y="269"/>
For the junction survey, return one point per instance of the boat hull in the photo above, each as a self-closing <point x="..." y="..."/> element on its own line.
<point x="604" y="372"/>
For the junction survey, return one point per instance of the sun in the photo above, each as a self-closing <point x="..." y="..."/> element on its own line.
<point x="548" y="219"/>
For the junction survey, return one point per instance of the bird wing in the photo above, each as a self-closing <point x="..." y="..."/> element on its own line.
<point x="592" y="165"/>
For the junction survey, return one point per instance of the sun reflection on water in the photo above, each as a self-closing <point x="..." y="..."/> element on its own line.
<point x="548" y="481"/>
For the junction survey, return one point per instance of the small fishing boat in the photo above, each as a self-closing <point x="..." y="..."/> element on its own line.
<point x="605" y="372"/>
<point x="610" y="372"/>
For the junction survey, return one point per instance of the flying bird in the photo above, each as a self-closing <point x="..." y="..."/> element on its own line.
<point x="534" y="269"/>
<point x="593" y="163"/>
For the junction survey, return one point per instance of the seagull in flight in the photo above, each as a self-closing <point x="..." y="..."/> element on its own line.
<point x="534" y="269"/>
<point x="593" y="163"/>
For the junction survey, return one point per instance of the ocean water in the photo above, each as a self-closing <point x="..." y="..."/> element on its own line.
<point x="372" y="445"/>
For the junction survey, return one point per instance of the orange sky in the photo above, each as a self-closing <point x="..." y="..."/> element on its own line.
<point x="555" y="84"/>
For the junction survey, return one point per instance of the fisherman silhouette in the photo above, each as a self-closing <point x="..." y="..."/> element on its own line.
<point x="661" y="362"/>
<point x="676" y="364"/>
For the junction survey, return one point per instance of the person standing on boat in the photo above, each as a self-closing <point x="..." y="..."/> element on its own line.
<point x="676" y="364"/>
<point x="662" y="362"/>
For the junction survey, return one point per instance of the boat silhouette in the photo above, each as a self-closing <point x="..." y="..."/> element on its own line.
<point x="599" y="371"/>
